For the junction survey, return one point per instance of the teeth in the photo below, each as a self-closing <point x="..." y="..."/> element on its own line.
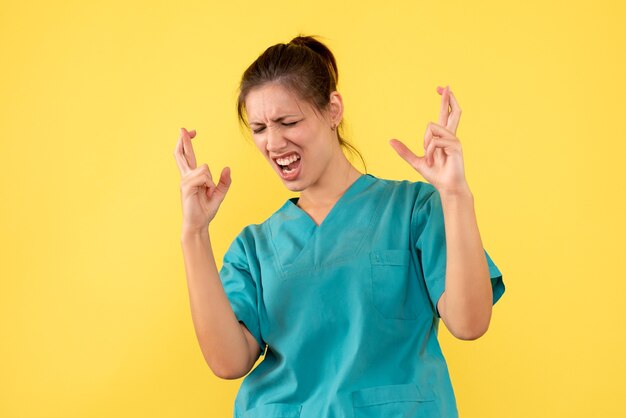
<point x="288" y="160"/>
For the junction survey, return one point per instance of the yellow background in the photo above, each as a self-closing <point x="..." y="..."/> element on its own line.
<point x="94" y="310"/>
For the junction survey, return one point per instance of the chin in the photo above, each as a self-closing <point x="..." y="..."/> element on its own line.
<point x="294" y="186"/>
<point x="296" y="181"/>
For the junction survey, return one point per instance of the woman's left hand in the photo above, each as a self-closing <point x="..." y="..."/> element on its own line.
<point x="442" y="163"/>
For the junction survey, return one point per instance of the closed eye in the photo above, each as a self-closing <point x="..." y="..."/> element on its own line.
<point x="285" y="124"/>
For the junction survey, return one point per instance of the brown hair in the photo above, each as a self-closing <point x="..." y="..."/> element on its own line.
<point x="304" y="65"/>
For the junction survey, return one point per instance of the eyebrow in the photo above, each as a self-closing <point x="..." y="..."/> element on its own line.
<point x="273" y="120"/>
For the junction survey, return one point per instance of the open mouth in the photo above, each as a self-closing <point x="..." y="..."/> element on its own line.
<point x="288" y="164"/>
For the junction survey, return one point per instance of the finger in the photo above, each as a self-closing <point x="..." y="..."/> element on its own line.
<point x="455" y="115"/>
<point x="188" y="148"/>
<point x="438" y="153"/>
<point x="445" y="104"/>
<point x="190" y="156"/>
<point x="438" y="147"/>
<point x="207" y="181"/>
<point x="440" y="131"/>
<point x="203" y="179"/>
<point x="206" y="168"/>
<point x="198" y="172"/>
<point x="428" y="135"/>
<point x="201" y="171"/>
<point x="183" y="166"/>
<point x="428" y="154"/>
<point x="196" y="179"/>
<point x="443" y="143"/>
<point x="224" y="184"/>
<point x="225" y="179"/>
<point x="408" y="155"/>
<point x="432" y="129"/>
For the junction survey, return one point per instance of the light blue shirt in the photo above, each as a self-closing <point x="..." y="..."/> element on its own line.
<point x="347" y="308"/>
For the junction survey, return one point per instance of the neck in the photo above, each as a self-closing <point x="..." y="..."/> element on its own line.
<point x="337" y="178"/>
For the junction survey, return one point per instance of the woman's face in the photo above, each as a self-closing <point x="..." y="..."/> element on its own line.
<point x="297" y="142"/>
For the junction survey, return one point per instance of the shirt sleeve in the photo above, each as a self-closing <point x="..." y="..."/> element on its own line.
<point x="241" y="288"/>
<point x="429" y="227"/>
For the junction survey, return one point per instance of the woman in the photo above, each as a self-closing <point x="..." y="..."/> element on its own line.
<point x="346" y="283"/>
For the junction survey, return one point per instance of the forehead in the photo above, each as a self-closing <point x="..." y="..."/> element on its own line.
<point x="271" y="101"/>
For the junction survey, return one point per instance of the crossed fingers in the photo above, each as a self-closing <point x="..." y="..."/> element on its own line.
<point x="449" y="116"/>
<point x="184" y="153"/>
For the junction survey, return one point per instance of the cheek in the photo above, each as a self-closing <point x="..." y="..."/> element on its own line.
<point x="308" y="138"/>
<point x="260" y="144"/>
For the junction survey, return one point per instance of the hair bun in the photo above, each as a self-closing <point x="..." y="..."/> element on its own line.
<point x="321" y="49"/>
<point x="301" y="40"/>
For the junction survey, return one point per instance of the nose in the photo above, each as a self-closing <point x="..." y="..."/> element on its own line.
<point x="275" y="140"/>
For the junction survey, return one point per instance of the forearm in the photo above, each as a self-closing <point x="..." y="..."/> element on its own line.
<point x="468" y="294"/>
<point x="219" y="333"/>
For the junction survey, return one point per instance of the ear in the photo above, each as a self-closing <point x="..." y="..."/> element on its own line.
<point x="336" y="108"/>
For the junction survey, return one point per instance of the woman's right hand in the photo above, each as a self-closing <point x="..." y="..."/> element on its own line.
<point x="200" y="196"/>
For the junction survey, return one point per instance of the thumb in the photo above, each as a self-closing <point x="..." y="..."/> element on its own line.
<point x="224" y="184"/>
<point x="418" y="163"/>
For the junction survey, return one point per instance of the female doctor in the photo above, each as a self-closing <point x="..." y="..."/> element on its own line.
<point x="344" y="284"/>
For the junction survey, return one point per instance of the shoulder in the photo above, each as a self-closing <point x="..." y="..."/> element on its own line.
<point x="418" y="200"/>
<point x="417" y="191"/>
<point x="249" y="234"/>
<point x="254" y="233"/>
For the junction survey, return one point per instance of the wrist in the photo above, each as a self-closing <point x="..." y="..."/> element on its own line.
<point x="456" y="196"/>
<point x="188" y="234"/>
<point x="461" y="192"/>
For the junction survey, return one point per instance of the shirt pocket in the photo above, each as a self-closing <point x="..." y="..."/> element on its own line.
<point x="392" y="284"/>
<point x="274" y="410"/>
<point x="398" y="401"/>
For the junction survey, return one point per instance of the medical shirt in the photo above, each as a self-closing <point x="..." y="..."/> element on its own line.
<point x="347" y="309"/>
